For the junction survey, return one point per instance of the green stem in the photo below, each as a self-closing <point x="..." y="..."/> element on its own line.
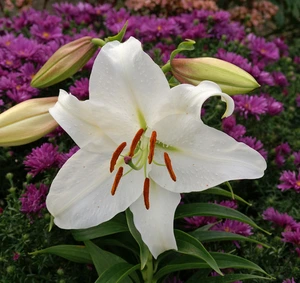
<point x="166" y="68"/>
<point x="98" y="42"/>
<point x="147" y="272"/>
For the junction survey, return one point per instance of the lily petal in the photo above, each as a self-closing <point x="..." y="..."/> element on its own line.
<point x="156" y="224"/>
<point x="127" y="88"/>
<point x="201" y="156"/>
<point x="74" y="117"/>
<point x="189" y="99"/>
<point x="80" y="195"/>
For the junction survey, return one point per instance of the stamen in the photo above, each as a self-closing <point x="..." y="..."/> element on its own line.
<point x="135" y="141"/>
<point x="116" y="155"/>
<point x="152" y="146"/>
<point x="169" y="166"/>
<point x="146" y="193"/>
<point x="116" y="181"/>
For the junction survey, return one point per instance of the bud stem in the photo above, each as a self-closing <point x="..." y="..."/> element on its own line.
<point x="98" y="42"/>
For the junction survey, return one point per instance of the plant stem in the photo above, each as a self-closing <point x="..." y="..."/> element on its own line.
<point x="147" y="272"/>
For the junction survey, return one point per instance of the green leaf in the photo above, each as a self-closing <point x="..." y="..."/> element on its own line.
<point x="187" y="244"/>
<point x="144" y="251"/>
<point x="119" y="36"/>
<point x="211" y="236"/>
<point x="71" y="252"/>
<point x="225" y="260"/>
<point x="229" y="278"/>
<point x="183" y="46"/>
<point x="210" y="209"/>
<point x="222" y="192"/>
<point x="113" y="226"/>
<point x="101" y="258"/>
<point x="117" y="273"/>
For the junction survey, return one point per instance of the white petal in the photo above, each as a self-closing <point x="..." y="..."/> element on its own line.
<point x="127" y="87"/>
<point x="189" y="99"/>
<point x="201" y="156"/>
<point x="80" y="195"/>
<point x="75" y="118"/>
<point x="156" y="224"/>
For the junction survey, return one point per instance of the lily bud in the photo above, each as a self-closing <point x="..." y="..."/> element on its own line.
<point x="27" y="121"/>
<point x="231" y="79"/>
<point x="65" y="62"/>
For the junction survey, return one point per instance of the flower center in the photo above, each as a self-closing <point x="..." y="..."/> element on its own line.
<point x="141" y="153"/>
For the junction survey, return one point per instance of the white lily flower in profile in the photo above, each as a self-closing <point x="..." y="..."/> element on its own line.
<point x="141" y="143"/>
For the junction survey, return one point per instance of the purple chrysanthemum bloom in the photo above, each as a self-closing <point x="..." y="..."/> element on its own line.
<point x="228" y="203"/>
<point x="28" y="70"/>
<point x="33" y="200"/>
<point x="63" y="157"/>
<point x="234" y="58"/>
<point x="23" y="47"/>
<point x="274" y="107"/>
<point x="292" y="237"/>
<point x="195" y="31"/>
<point x="262" y="50"/>
<point x="233" y="226"/>
<point x="80" y="89"/>
<point x="261" y="76"/>
<point x="289" y="180"/>
<point x="281" y="219"/>
<point x="65" y="10"/>
<point x="283" y="48"/>
<point x="115" y="20"/>
<point x="280" y="79"/>
<point x="42" y="158"/>
<point x="250" y="105"/>
<point x="8" y="60"/>
<point x="198" y="221"/>
<point x="6" y="40"/>
<point x="232" y="31"/>
<point x="232" y="129"/>
<point x="289" y="280"/>
<point x="255" y="144"/>
<point x="281" y="151"/>
<point x="297" y="158"/>
<point x="16" y="256"/>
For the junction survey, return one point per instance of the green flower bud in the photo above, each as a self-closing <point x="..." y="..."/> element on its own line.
<point x="27" y="121"/>
<point x="65" y="62"/>
<point x="231" y="79"/>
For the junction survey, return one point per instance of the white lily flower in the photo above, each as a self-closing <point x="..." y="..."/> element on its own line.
<point x="141" y="143"/>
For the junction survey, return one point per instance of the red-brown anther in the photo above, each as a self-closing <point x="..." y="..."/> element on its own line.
<point x="135" y="141"/>
<point x="116" y="155"/>
<point x="146" y="193"/>
<point x="152" y="146"/>
<point x="169" y="166"/>
<point x="117" y="180"/>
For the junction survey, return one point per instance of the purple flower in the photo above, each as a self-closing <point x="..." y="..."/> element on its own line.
<point x="297" y="158"/>
<point x="281" y="151"/>
<point x="274" y="107"/>
<point x="228" y="203"/>
<point x="41" y="158"/>
<point x="24" y="48"/>
<point x="255" y="144"/>
<point x="198" y="221"/>
<point x="289" y="281"/>
<point x="233" y="226"/>
<point x="234" y="58"/>
<point x="33" y="200"/>
<point x="16" y="256"/>
<point x="232" y="129"/>
<point x="261" y="76"/>
<point x="289" y="180"/>
<point x="80" y="89"/>
<point x="292" y="237"/>
<point x="283" y="48"/>
<point x="280" y="79"/>
<point x="62" y="159"/>
<point x="250" y="105"/>
<point x="281" y="219"/>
